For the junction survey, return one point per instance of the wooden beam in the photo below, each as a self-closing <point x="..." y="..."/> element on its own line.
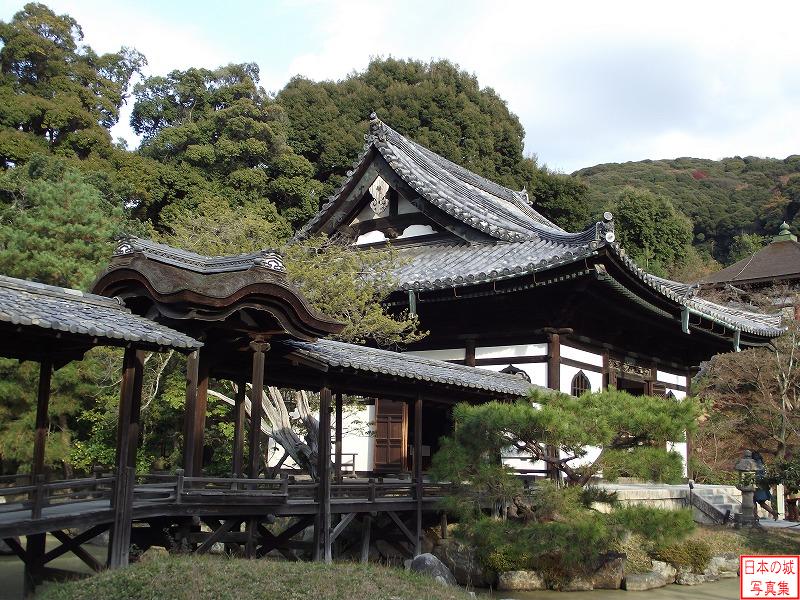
<point x="42" y="417"/>
<point x="127" y="440"/>
<point x="324" y="471"/>
<point x="418" y="470"/>
<point x="238" y="426"/>
<point x="216" y="535"/>
<point x="199" y="422"/>
<point x="366" y="529"/>
<point x="259" y="347"/>
<point x="81" y="538"/>
<point x="342" y="525"/>
<point x="401" y="526"/>
<point x="554" y="383"/>
<point x="76" y="549"/>
<point x="469" y="353"/>
<point x="338" y="456"/>
<point x="192" y="379"/>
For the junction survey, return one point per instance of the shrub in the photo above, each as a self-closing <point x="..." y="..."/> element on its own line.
<point x="694" y="554"/>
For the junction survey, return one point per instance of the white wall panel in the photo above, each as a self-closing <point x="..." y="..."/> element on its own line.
<point x="511" y="351"/>
<point x="447" y="354"/>
<point x="591" y="358"/>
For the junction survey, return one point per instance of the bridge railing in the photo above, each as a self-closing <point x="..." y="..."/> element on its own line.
<point x="39" y="494"/>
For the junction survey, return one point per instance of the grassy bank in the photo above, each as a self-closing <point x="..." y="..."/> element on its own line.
<point x="720" y="540"/>
<point x="209" y="577"/>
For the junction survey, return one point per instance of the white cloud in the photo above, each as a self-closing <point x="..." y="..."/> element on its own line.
<point x="591" y="81"/>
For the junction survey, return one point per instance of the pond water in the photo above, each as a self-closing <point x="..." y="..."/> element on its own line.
<point x="725" y="589"/>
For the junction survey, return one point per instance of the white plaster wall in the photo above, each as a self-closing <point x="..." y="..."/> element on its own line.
<point x="445" y="354"/>
<point x="371" y="237"/>
<point x="510" y="351"/>
<point x="405" y="207"/>
<point x="582" y="355"/>
<point x="568" y="372"/>
<point x="672" y="378"/>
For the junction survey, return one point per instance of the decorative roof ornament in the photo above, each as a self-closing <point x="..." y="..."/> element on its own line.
<point x="785" y="234"/>
<point x="524" y="194"/>
<point x="605" y="229"/>
<point x="126" y="245"/>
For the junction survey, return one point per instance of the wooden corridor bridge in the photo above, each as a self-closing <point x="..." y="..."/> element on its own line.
<point x="237" y="319"/>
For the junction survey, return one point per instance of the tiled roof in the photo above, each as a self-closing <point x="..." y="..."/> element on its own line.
<point x="498" y="211"/>
<point x="447" y="265"/>
<point x="199" y="263"/>
<point x="32" y="304"/>
<point x="776" y="261"/>
<point x="431" y="267"/>
<point x="407" y="366"/>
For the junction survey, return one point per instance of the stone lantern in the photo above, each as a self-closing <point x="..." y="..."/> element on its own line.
<point x="746" y="468"/>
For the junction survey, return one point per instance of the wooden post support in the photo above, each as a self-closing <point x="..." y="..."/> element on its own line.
<point x="338" y="458"/>
<point x="127" y="442"/>
<point x="443" y="525"/>
<point x="689" y="440"/>
<point x="120" y="539"/>
<point x="554" y="383"/>
<point x="469" y="353"/>
<point x="238" y="426"/>
<point x="192" y="379"/>
<point x="259" y="347"/>
<point x="418" y="469"/>
<point x="366" y="527"/>
<point x="42" y="417"/>
<point x="199" y="422"/>
<point x="324" y="470"/>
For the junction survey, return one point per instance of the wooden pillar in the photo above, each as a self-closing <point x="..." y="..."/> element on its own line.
<point x="650" y="383"/>
<point x="192" y="379"/>
<point x="606" y="371"/>
<point x="469" y="353"/>
<point x="338" y="443"/>
<point x="259" y="347"/>
<point x="127" y="442"/>
<point x="199" y="424"/>
<point x="418" y="469"/>
<point x="366" y="530"/>
<point x="238" y="426"/>
<point x="554" y="383"/>
<point x="35" y="544"/>
<point x="324" y="471"/>
<point x="42" y="417"/>
<point x="689" y="440"/>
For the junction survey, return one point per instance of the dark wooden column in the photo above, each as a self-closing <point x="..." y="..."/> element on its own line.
<point x="192" y="380"/>
<point x="324" y="471"/>
<point x="338" y="443"/>
<point x="42" y="417"/>
<point x="418" y="469"/>
<point x="35" y="545"/>
<point x="469" y="353"/>
<point x="689" y="440"/>
<point x="259" y="347"/>
<point x="650" y="382"/>
<point x="554" y="383"/>
<point x="127" y="443"/>
<point x="238" y="426"/>
<point x="199" y="424"/>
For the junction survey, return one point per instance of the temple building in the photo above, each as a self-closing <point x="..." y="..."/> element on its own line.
<point x="499" y="285"/>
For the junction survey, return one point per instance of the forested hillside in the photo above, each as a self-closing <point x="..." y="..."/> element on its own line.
<point x="723" y="198"/>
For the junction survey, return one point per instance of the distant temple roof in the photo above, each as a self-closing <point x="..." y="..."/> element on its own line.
<point x="507" y="238"/>
<point x="777" y="261"/>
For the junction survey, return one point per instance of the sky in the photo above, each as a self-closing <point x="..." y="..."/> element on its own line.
<point x="592" y="82"/>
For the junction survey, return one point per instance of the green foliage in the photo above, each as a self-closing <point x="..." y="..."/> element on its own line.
<point x="440" y="107"/>
<point x="648" y="464"/>
<point x="54" y="226"/>
<point x="657" y="236"/>
<point x="56" y="94"/>
<point x="692" y="554"/>
<point x="611" y="420"/>
<point x="724" y="199"/>
<point x="220" y="125"/>
<point x="745" y="245"/>
<point x="566" y="538"/>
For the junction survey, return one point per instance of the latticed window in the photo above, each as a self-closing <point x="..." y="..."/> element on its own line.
<point x="580" y="384"/>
